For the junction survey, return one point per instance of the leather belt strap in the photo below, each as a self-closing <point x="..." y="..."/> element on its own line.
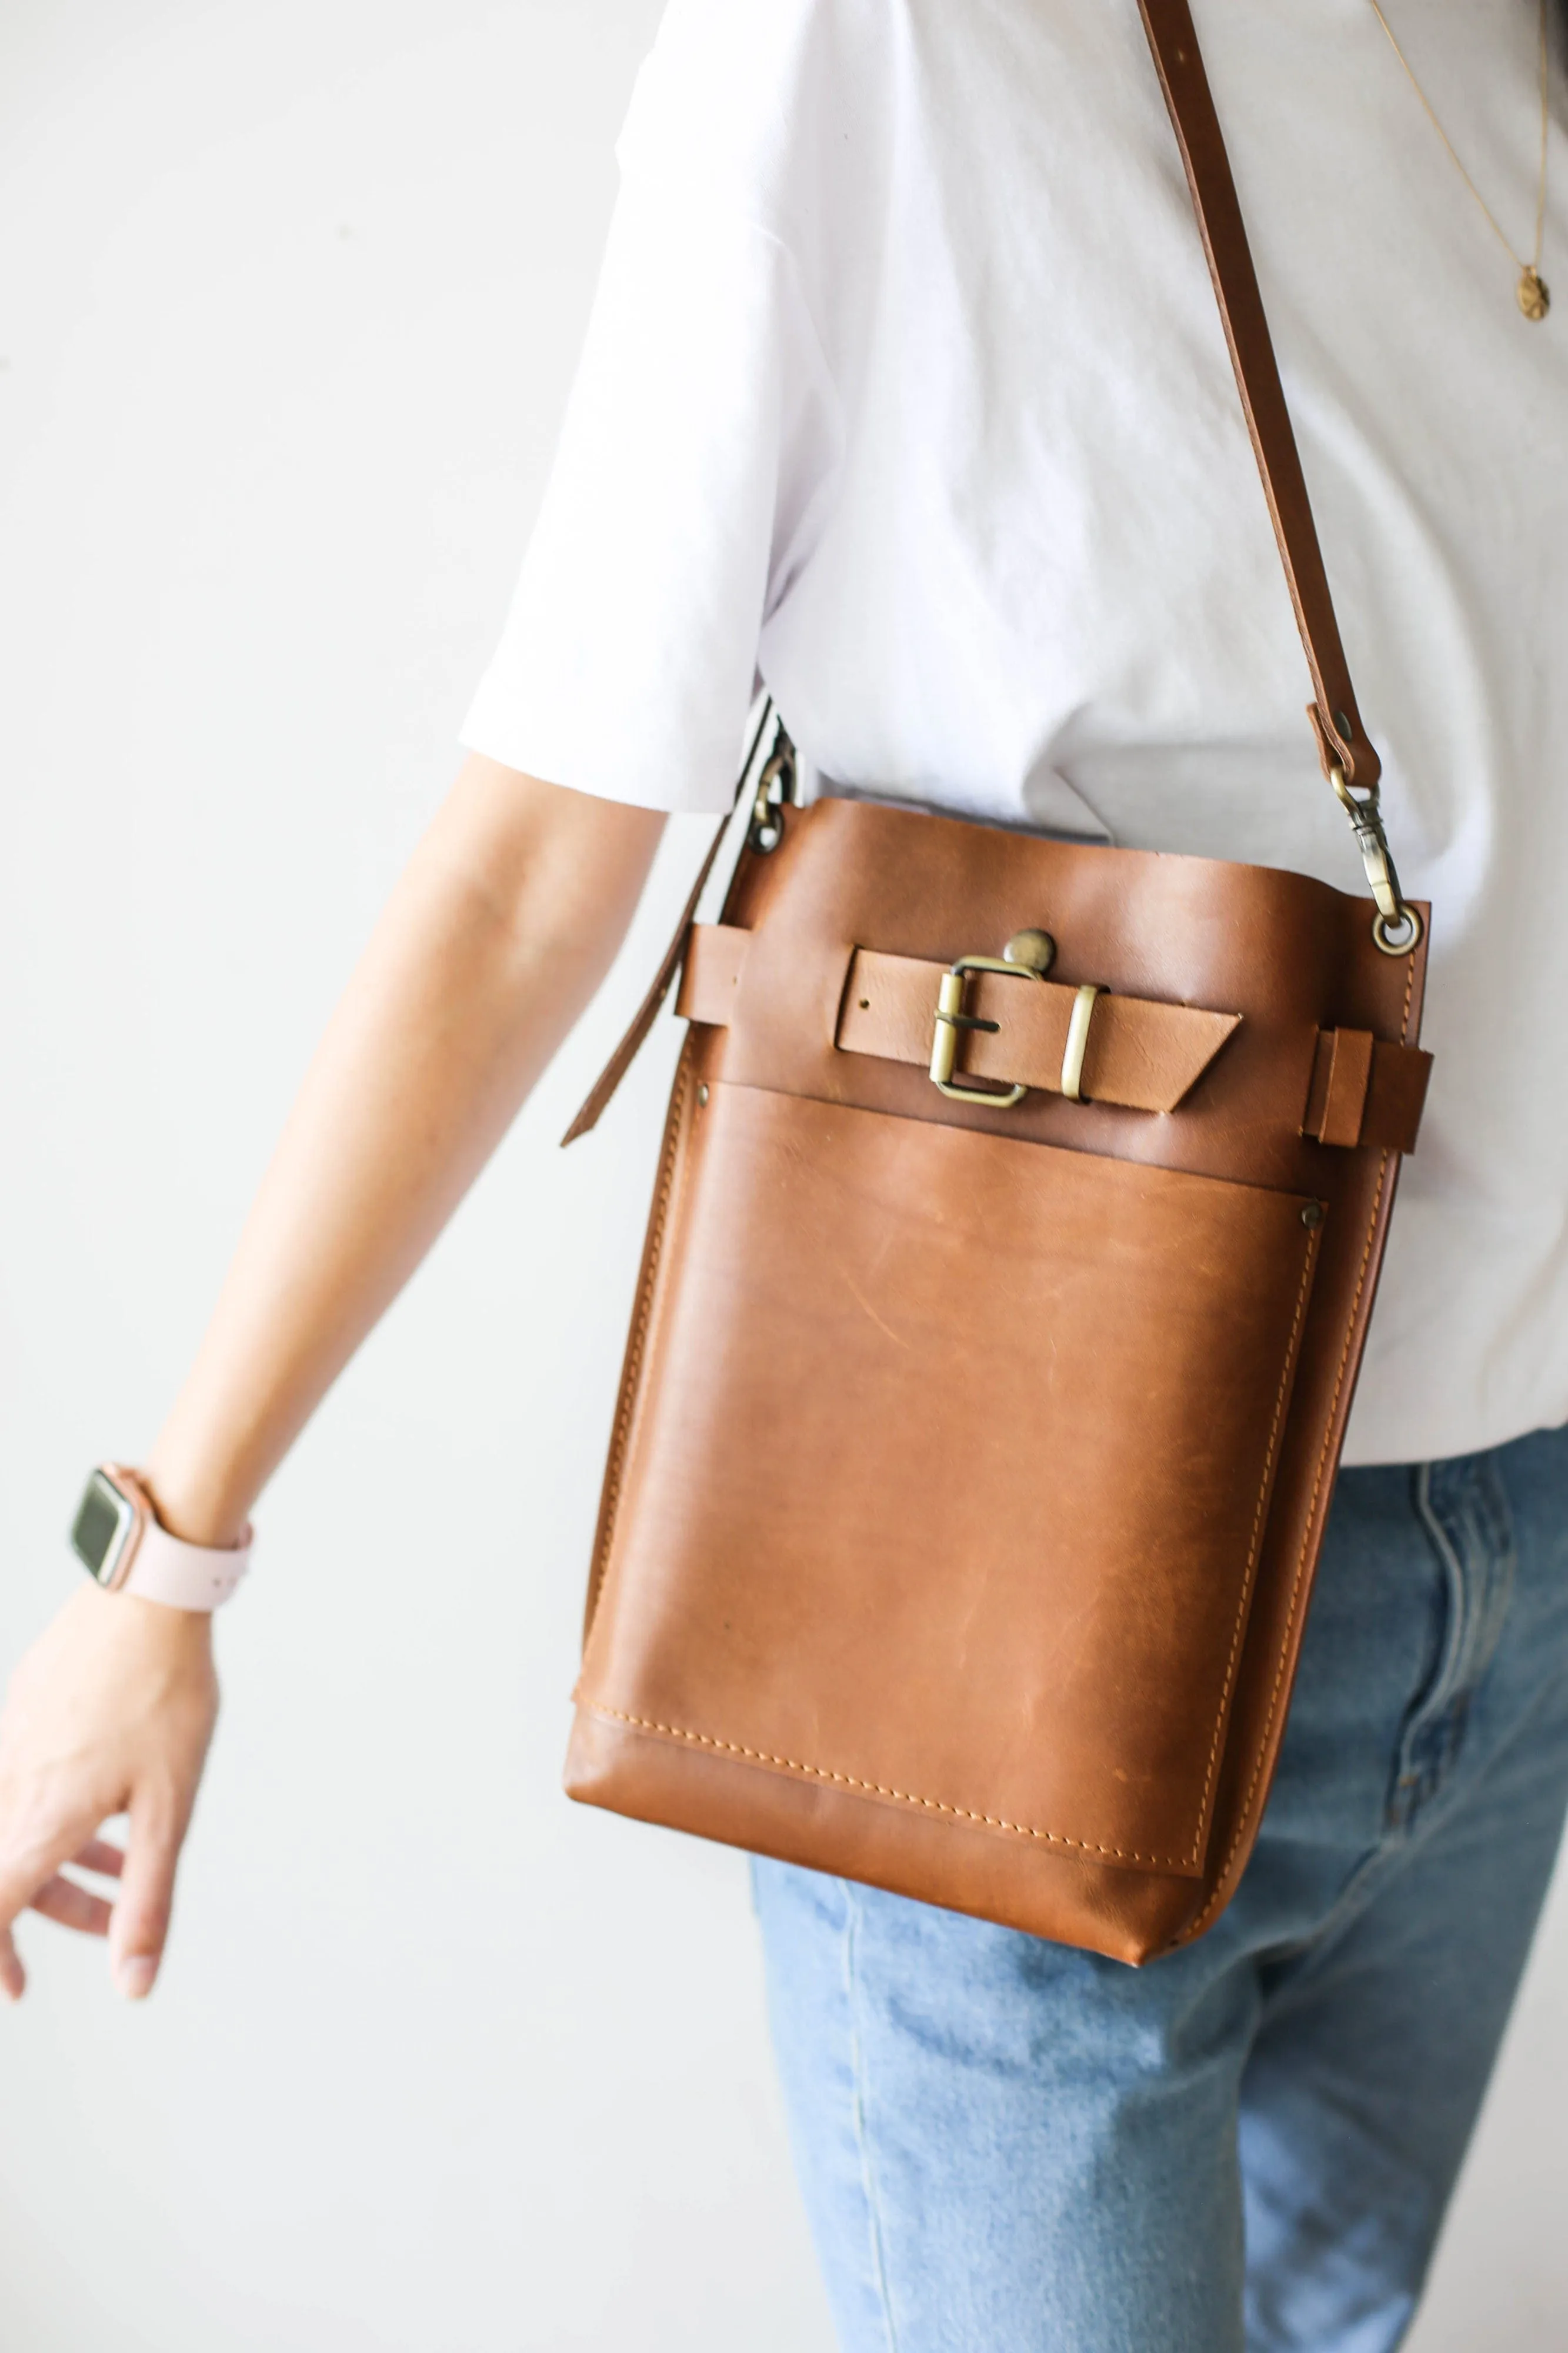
<point x="1139" y="1055"/>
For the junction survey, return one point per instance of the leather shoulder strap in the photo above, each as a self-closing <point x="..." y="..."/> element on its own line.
<point x="1342" y="739"/>
<point x="1179" y="62"/>
<point x="659" y="988"/>
<point x="642" y="1021"/>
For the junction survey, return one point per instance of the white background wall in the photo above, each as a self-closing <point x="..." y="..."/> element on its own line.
<point x="289" y="301"/>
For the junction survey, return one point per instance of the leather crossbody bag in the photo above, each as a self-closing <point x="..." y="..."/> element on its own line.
<point x="1015" y="1238"/>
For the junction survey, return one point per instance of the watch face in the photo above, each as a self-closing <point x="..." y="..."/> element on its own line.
<point x="103" y="1524"/>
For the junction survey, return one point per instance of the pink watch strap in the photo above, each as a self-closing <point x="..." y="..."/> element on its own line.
<point x="184" y="1576"/>
<point x="162" y="1567"/>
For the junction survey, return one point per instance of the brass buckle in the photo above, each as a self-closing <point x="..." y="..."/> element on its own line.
<point x="950" y="1017"/>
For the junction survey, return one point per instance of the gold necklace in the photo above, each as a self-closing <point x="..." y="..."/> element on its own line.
<point x="1533" y="297"/>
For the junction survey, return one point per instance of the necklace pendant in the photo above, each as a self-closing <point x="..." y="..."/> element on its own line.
<point x="1534" y="300"/>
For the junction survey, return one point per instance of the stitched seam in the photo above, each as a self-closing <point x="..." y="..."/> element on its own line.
<point x="1300" y="1563"/>
<point x="1311" y="1260"/>
<point x="1311" y="1514"/>
<point x="632" y="1378"/>
<point x="857" y="2113"/>
<point x="878" y="1790"/>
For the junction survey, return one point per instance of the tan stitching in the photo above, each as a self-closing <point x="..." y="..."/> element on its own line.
<point x="1311" y="1257"/>
<point x="1196" y="1928"/>
<point x="877" y="1789"/>
<point x="631" y="1377"/>
<point x="1300" y="1565"/>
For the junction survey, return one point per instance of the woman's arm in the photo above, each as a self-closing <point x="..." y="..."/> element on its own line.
<point x="498" y="934"/>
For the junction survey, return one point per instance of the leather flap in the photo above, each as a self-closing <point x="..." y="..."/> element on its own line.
<point x="884" y="1523"/>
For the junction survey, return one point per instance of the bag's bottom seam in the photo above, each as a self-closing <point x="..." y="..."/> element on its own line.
<point x="1185" y="1863"/>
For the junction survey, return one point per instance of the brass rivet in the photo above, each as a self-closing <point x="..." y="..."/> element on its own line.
<point x="702" y="1093"/>
<point x="1313" y="1215"/>
<point x="865" y="1004"/>
<point x="1034" y="951"/>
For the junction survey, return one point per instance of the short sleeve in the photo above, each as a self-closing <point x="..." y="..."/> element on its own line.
<point x="697" y="456"/>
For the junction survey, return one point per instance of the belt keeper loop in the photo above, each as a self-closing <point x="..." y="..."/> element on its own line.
<point x="1350" y="1076"/>
<point x="1076" y="1045"/>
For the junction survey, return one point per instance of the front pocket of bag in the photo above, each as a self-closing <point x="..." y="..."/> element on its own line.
<point x="948" y="1471"/>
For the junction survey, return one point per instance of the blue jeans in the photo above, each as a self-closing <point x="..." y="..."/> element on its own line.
<point x="1008" y="2146"/>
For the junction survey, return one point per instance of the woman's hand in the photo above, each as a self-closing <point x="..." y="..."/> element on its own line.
<point x="110" y="1712"/>
<point x="503" y="928"/>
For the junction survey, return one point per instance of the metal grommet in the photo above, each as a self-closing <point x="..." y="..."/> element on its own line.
<point x="1399" y="938"/>
<point x="1313" y="1215"/>
<point x="702" y="1092"/>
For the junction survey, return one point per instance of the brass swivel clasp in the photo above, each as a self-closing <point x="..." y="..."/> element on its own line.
<point x="1396" y="926"/>
<point x="775" y="792"/>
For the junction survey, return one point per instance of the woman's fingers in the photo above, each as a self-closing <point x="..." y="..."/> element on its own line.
<point x="71" y="1906"/>
<point x="141" y="1921"/>
<point x="116" y="1701"/>
<point x="99" y="1855"/>
<point x="18" y="1879"/>
<point x="30" y="1881"/>
<point x="62" y="1900"/>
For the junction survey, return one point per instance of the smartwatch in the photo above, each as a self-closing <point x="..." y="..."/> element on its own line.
<point x="118" y="1540"/>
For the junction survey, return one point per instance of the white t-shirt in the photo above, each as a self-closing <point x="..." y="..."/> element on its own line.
<point x="905" y="386"/>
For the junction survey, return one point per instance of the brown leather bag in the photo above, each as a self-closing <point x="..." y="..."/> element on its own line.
<point x="976" y="1438"/>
